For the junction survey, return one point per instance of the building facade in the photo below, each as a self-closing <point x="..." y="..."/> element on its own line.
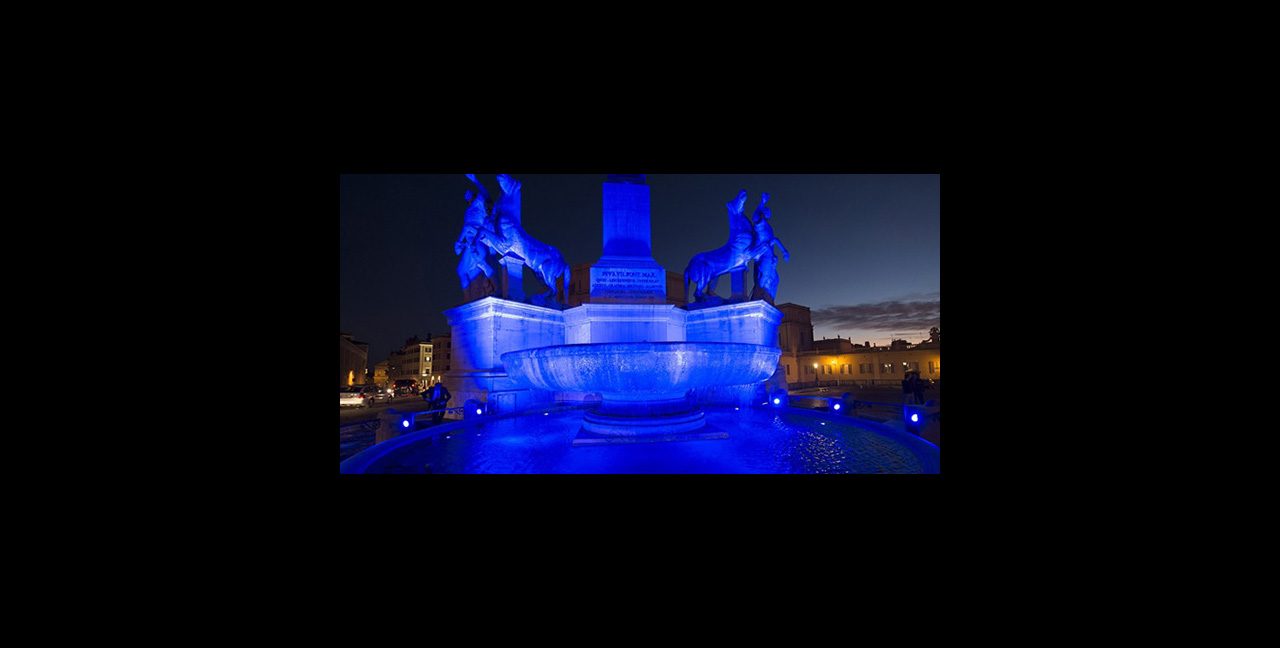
<point x="864" y="366"/>
<point x="441" y="357"/>
<point x="353" y="360"/>
<point x="808" y="362"/>
<point x="414" y="361"/>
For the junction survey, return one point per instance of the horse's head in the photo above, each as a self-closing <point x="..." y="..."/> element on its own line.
<point x="509" y="184"/>
<point x="509" y="204"/>
<point x="735" y="205"/>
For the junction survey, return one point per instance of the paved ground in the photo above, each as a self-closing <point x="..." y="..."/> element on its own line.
<point x="891" y="414"/>
<point x="355" y="439"/>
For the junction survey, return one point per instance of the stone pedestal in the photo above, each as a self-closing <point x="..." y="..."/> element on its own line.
<point x="389" y="425"/>
<point x="512" y="280"/>
<point x="626" y="272"/>
<point x="598" y="323"/>
<point x="753" y="322"/>
<point x="483" y="330"/>
<point x="738" y="285"/>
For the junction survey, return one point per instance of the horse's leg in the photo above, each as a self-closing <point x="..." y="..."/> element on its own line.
<point x="710" y="286"/>
<point x="549" y="278"/>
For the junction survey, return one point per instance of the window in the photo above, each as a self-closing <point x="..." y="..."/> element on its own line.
<point x="911" y="366"/>
<point x="886" y="368"/>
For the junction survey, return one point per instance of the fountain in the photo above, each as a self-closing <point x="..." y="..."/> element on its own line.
<point x="627" y="372"/>
<point x="643" y="386"/>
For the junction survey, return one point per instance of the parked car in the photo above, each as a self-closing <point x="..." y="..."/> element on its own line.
<point x="361" y="396"/>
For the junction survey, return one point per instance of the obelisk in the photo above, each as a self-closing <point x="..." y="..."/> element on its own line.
<point x="626" y="272"/>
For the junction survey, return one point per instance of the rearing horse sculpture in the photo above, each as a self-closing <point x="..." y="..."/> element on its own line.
<point x="472" y="263"/>
<point x="705" y="268"/>
<point x="503" y="234"/>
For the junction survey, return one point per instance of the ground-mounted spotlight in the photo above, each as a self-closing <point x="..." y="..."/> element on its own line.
<point x="473" y="409"/>
<point x="913" y="418"/>
<point x="847" y="404"/>
<point x="778" y="398"/>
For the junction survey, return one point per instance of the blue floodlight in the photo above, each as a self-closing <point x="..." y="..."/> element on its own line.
<point x="404" y="423"/>
<point x="472" y="408"/>
<point x="913" y="418"/>
<point x="778" y="397"/>
<point x="836" y="406"/>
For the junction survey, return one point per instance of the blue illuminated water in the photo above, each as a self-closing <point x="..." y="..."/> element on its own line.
<point x="761" y="440"/>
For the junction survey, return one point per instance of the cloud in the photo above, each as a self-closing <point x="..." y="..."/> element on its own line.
<point x="897" y="315"/>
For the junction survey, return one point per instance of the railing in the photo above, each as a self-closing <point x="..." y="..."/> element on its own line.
<point x="366" y="427"/>
<point x="863" y="382"/>
<point x="895" y="410"/>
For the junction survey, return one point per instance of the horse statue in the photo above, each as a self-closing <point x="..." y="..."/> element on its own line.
<point x="764" y="240"/>
<point x="705" y="268"/>
<point x="502" y="233"/>
<point x="766" y="276"/>
<point x="471" y="263"/>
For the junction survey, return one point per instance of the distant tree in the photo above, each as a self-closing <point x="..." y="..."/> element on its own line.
<point x="935" y="335"/>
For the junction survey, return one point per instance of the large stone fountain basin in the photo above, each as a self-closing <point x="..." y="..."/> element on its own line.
<point x="643" y="385"/>
<point x="639" y="368"/>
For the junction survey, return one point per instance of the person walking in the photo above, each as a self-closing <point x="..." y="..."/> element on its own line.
<point x="438" y="396"/>
<point x="920" y="386"/>
<point x="908" y="388"/>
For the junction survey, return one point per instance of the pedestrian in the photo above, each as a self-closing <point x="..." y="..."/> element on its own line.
<point x="920" y="386"/>
<point x="439" y="397"/>
<point x="908" y="389"/>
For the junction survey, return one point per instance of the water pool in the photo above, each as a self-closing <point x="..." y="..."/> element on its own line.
<point x="760" y="440"/>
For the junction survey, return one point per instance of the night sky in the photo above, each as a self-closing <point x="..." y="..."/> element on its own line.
<point x="865" y="249"/>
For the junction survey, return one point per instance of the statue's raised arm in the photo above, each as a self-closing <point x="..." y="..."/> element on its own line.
<point x="478" y="204"/>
